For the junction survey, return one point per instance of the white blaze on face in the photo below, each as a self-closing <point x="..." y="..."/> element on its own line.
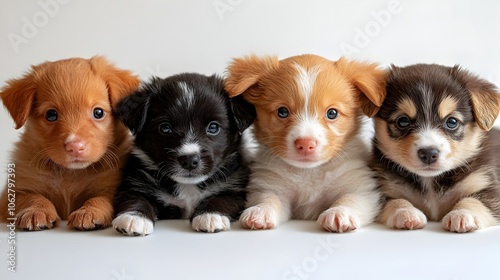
<point x="188" y="95"/>
<point x="189" y="149"/>
<point x="306" y="121"/>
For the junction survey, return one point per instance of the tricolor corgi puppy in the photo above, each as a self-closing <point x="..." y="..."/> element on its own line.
<point x="435" y="155"/>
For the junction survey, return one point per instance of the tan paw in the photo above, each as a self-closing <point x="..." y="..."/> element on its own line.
<point x="338" y="219"/>
<point x="90" y="218"/>
<point x="407" y="218"/>
<point x="461" y="220"/>
<point x="259" y="217"/>
<point x="37" y="219"/>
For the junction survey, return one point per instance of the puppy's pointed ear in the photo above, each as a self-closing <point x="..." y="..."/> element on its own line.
<point x="243" y="73"/>
<point x="368" y="81"/>
<point x="121" y="83"/>
<point x="484" y="97"/>
<point x="19" y="94"/>
<point x="133" y="109"/>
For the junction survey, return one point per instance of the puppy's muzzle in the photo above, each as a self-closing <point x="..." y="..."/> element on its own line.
<point x="428" y="155"/>
<point x="189" y="162"/>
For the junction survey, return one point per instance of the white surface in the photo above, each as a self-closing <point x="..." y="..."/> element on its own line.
<point x="167" y="37"/>
<point x="296" y="250"/>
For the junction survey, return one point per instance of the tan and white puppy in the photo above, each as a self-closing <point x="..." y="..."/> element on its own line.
<point x="311" y="162"/>
<point x="433" y="152"/>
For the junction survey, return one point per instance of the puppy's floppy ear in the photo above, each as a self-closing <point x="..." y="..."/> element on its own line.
<point x="368" y="81"/>
<point x="484" y="96"/>
<point x="133" y="109"/>
<point x="19" y="94"/>
<point x="243" y="112"/>
<point x="242" y="73"/>
<point x="121" y="83"/>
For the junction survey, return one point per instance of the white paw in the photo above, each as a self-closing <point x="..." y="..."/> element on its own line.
<point x="133" y="224"/>
<point x="211" y="222"/>
<point x="259" y="217"/>
<point x="338" y="219"/>
<point x="461" y="220"/>
<point x="407" y="218"/>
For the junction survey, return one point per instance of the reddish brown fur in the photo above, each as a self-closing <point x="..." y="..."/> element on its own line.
<point x="47" y="189"/>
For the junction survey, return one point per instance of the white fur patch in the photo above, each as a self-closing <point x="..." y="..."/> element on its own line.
<point x="133" y="224"/>
<point x="187" y="196"/>
<point x="259" y="217"/>
<point x="338" y="219"/>
<point x="189" y="180"/>
<point x="188" y="94"/>
<point x="211" y="222"/>
<point x="407" y="218"/>
<point x="306" y="78"/>
<point x="189" y="149"/>
<point x="306" y="193"/>
<point x="432" y="138"/>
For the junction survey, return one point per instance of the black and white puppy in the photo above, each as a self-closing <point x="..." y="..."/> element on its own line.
<point x="434" y="151"/>
<point x="186" y="161"/>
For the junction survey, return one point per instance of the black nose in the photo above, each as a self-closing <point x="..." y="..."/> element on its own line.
<point x="428" y="155"/>
<point x="189" y="162"/>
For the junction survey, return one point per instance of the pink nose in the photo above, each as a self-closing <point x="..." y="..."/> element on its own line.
<point x="75" y="148"/>
<point x="305" y="145"/>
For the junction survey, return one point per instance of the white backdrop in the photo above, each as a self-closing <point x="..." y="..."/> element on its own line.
<point x="154" y="37"/>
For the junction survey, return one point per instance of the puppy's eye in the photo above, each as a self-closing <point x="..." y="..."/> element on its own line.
<point x="283" y="112"/>
<point x="451" y="123"/>
<point x="332" y="114"/>
<point x="98" y="113"/>
<point x="165" y="128"/>
<point x="213" y="128"/>
<point x="403" y="122"/>
<point x="51" y="115"/>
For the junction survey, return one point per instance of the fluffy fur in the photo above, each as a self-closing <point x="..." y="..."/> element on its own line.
<point x="69" y="156"/>
<point x="186" y="162"/>
<point x="436" y="159"/>
<point x="311" y="162"/>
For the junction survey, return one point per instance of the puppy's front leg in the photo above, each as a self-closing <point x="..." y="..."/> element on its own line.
<point x="215" y="213"/>
<point x="266" y="211"/>
<point x="350" y="212"/>
<point x="401" y="214"/>
<point x="136" y="215"/>
<point x="469" y="214"/>
<point x="34" y="212"/>
<point x="96" y="213"/>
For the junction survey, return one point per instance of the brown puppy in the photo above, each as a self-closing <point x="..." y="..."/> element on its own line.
<point x="434" y="152"/>
<point x="68" y="159"/>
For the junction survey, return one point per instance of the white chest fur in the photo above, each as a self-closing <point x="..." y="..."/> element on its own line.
<point x="187" y="197"/>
